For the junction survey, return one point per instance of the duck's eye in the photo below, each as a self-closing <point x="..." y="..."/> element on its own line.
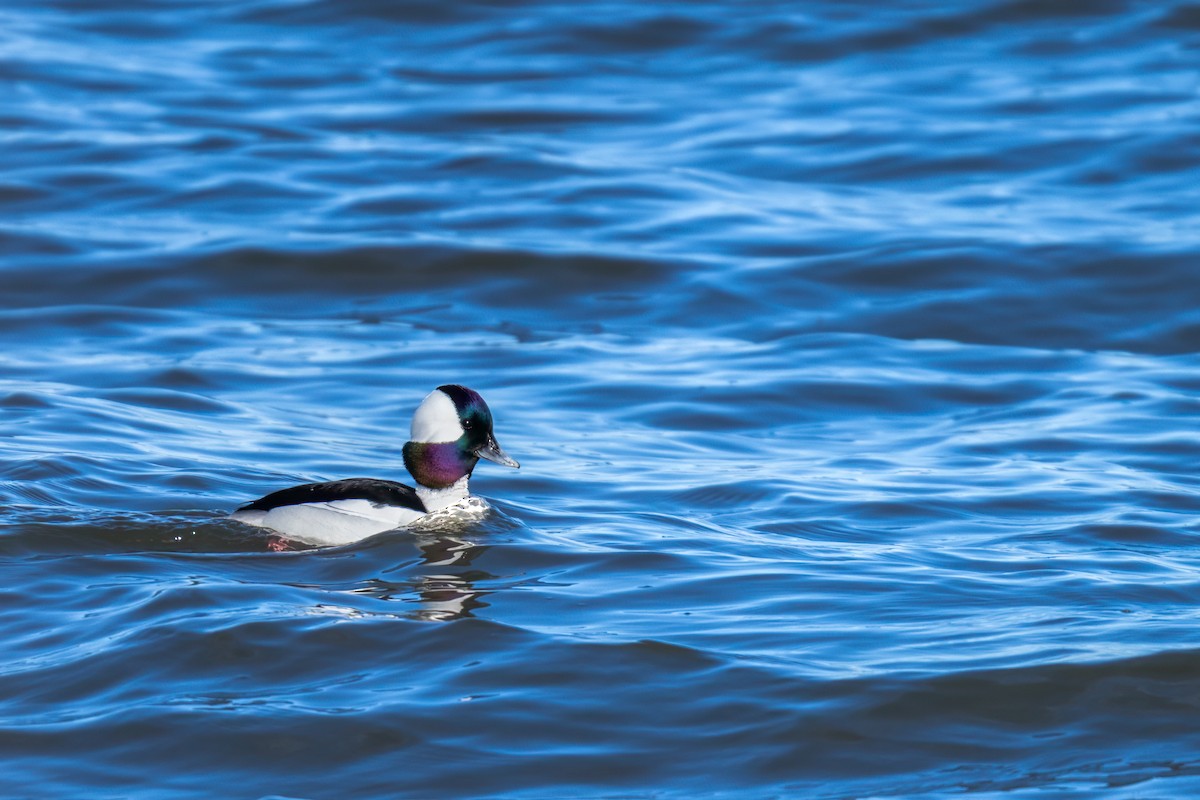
<point x="467" y="424"/>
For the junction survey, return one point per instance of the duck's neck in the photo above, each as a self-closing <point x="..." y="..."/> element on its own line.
<point x="437" y="499"/>
<point x="438" y="465"/>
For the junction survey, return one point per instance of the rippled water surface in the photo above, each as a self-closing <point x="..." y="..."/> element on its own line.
<point x="850" y="353"/>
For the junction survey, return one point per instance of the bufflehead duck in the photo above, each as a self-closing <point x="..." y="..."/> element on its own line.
<point x="451" y="431"/>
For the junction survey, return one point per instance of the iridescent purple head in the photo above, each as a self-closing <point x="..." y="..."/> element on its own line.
<point x="451" y="431"/>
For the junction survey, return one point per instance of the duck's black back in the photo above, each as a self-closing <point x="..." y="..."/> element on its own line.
<point x="379" y="492"/>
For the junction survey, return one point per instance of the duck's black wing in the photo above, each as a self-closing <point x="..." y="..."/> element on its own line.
<point x="381" y="493"/>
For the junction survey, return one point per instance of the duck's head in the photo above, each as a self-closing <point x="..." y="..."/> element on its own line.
<point x="451" y="431"/>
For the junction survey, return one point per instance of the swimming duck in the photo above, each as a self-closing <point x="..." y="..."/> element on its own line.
<point x="451" y="431"/>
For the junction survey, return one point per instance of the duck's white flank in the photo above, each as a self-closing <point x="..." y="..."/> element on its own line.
<point x="333" y="523"/>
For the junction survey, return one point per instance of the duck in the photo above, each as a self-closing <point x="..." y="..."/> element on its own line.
<point x="451" y="431"/>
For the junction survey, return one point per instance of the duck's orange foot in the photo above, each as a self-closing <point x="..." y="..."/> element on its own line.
<point x="278" y="544"/>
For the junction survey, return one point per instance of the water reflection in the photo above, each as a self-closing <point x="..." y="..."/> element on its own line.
<point x="443" y="596"/>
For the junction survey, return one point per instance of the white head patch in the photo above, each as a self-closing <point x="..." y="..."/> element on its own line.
<point x="436" y="420"/>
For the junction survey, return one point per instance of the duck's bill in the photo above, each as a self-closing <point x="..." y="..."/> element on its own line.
<point x="492" y="452"/>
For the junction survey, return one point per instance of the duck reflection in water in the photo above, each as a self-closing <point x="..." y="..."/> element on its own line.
<point x="443" y="596"/>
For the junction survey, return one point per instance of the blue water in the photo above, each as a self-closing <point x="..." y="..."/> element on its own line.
<point x="851" y="354"/>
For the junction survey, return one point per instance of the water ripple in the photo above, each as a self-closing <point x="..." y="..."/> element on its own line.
<point x="850" y="358"/>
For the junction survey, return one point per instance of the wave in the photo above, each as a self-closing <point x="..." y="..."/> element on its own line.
<point x="1057" y="298"/>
